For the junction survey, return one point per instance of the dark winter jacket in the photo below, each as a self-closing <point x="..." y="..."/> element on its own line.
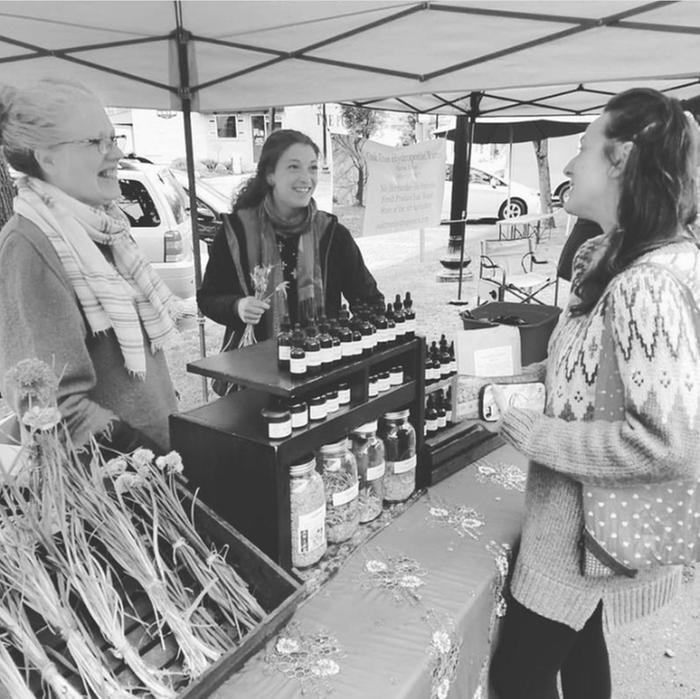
<point x="342" y="268"/>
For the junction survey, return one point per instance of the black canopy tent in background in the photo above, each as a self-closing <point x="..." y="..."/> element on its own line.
<point x="470" y="130"/>
<point x="526" y="59"/>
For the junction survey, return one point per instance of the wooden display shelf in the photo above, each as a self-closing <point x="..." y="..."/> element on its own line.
<point x="243" y="475"/>
<point x="238" y="415"/>
<point x="256" y="367"/>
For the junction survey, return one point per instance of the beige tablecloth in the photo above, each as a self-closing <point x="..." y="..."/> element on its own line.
<point x="391" y="622"/>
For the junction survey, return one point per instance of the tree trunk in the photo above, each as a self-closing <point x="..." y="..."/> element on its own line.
<point x="360" y="196"/>
<point x="7" y="192"/>
<point x="542" y="155"/>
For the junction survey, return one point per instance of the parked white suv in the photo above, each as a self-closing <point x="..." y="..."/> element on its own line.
<point x="156" y="207"/>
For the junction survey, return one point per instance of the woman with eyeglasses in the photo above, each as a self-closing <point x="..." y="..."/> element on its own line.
<point x="75" y="290"/>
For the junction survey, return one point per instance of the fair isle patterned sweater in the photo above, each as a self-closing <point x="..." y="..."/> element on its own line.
<point x="623" y="406"/>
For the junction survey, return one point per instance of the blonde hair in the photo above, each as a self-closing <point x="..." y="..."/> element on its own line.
<point x="34" y="117"/>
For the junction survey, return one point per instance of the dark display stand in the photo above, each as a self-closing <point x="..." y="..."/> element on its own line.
<point x="243" y="475"/>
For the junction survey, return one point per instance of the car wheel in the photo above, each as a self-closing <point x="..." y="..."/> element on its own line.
<point x="563" y="193"/>
<point x="516" y="207"/>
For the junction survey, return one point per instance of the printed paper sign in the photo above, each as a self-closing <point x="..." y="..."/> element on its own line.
<point x="404" y="186"/>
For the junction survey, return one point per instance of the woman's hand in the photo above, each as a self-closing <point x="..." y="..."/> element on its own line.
<point x="251" y="309"/>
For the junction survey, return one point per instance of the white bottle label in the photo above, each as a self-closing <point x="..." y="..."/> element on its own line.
<point x="297" y="366"/>
<point x="345" y="496"/>
<point x="374" y="472"/>
<point x="373" y="389"/>
<point x="384" y="384"/>
<point x="283" y="352"/>
<point x="391" y="333"/>
<point x="448" y="415"/>
<point x="432" y="425"/>
<point x="402" y="466"/>
<point x="347" y="349"/>
<point x="313" y="358"/>
<point x="366" y="342"/>
<point x="442" y="421"/>
<point x="326" y="355"/>
<point x="357" y="347"/>
<point x="337" y="352"/>
<point x="312" y="530"/>
<point x="344" y="396"/>
<point x="279" y="430"/>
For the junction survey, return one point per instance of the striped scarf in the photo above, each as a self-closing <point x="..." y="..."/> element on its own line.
<point x="121" y="297"/>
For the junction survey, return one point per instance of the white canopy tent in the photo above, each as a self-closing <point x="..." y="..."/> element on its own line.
<point x="530" y="58"/>
<point x="522" y="58"/>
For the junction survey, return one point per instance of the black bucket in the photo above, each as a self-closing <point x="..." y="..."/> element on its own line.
<point x="534" y="320"/>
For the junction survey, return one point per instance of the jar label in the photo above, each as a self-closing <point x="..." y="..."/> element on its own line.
<point x="312" y="530"/>
<point x="283" y="352"/>
<point x="344" y="396"/>
<point x="279" y="430"/>
<point x="374" y="472"/>
<point x="366" y="342"/>
<point x="345" y="496"/>
<point x="402" y="466"/>
<point x="300" y="419"/>
<point x="317" y="412"/>
<point x="432" y="425"/>
<point x="373" y="389"/>
<point x="326" y="355"/>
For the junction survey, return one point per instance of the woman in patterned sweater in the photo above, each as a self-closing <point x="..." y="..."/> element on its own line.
<point x="623" y="395"/>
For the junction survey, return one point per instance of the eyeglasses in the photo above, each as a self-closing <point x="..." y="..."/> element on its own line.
<point x="104" y="145"/>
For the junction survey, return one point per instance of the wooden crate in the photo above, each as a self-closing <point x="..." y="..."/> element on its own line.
<point x="277" y="592"/>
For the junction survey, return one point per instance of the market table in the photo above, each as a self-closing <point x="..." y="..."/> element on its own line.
<point x="524" y="226"/>
<point x="411" y="613"/>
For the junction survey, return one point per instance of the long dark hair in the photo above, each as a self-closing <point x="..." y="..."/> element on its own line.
<point x="256" y="188"/>
<point x="658" y="187"/>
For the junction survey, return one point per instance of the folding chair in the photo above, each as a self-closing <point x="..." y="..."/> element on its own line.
<point x="507" y="267"/>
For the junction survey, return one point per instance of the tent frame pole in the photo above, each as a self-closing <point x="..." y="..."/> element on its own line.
<point x="182" y="38"/>
<point x="474" y="100"/>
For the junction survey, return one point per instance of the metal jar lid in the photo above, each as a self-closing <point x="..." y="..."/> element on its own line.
<point x="304" y="465"/>
<point x="398" y="415"/>
<point x="367" y="427"/>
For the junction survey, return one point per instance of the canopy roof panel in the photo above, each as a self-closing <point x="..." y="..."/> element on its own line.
<point x="249" y="55"/>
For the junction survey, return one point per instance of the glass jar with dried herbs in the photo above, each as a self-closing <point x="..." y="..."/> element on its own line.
<point x="399" y="439"/>
<point x="308" y="512"/>
<point x="368" y="451"/>
<point x="339" y="473"/>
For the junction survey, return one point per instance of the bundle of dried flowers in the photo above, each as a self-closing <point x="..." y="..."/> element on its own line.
<point x="13" y="618"/>
<point x="260" y="279"/>
<point x="155" y="492"/>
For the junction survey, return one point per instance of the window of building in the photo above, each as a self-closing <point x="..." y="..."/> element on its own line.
<point x="226" y="126"/>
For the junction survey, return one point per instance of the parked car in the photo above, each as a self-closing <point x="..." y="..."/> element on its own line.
<point x="211" y="203"/>
<point x="488" y="197"/>
<point x="155" y="205"/>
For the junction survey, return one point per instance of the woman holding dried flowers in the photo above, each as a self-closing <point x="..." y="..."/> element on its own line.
<point x="275" y="225"/>
<point x="623" y="399"/>
<point x="76" y="292"/>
